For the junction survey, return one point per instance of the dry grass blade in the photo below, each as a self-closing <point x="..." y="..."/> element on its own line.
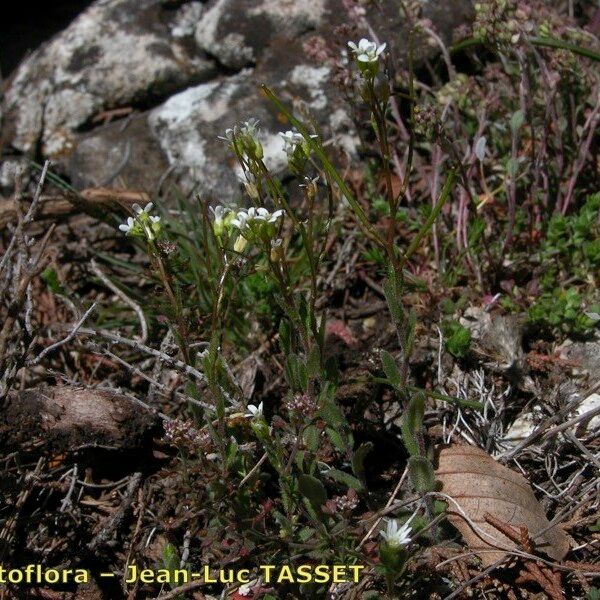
<point x="481" y="485"/>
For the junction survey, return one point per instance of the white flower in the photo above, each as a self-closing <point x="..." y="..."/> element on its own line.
<point x="249" y="128"/>
<point x="244" y="219"/>
<point x="291" y="140"/>
<point x="128" y="225"/>
<point x="395" y="536"/>
<point x="139" y="210"/>
<point x="367" y="51"/>
<point x="144" y="212"/>
<point x="143" y="224"/>
<point x="254" y="411"/>
<point x="240" y="221"/>
<point x="219" y="213"/>
<point x="221" y="216"/>
<point x="244" y="590"/>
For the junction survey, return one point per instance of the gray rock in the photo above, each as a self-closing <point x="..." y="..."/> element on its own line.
<point x="236" y="32"/>
<point x="189" y="70"/>
<point x="189" y="124"/>
<point x="586" y="355"/>
<point x="122" y="154"/>
<point x="116" y="53"/>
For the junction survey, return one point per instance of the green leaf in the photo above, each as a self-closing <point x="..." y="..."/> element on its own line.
<point x="337" y="439"/>
<point x="391" y="369"/>
<point x="50" y="278"/>
<point x="285" y="336"/>
<point x="421" y="473"/>
<point x="358" y="460"/>
<point x="331" y="413"/>
<point x="314" y="362"/>
<point x="313" y="490"/>
<point x="516" y="121"/>
<point x="392" y="295"/>
<point x="411" y="423"/>
<point x="170" y="557"/>
<point x="512" y="167"/>
<point x="409" y="439"/>
<point x="345" y="479"/>
<point x="415" y="412"/>
<point x="311" y="438"/>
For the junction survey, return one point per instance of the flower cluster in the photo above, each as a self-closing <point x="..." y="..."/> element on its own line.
<point x="184" y="435"/>
<point x="256" y="224"/>
<point x="367" y="55"/>
<point x="291" y="141"/>
<point x="427" y="121"/>
<point x="243" y="138"/>
<point x="301" y="404"/>
<point x="296" y="148"/>
<point x="143" y="224"/>
<point x="253" y="224"/>
<point x="341" y="504"/>
<point x="502" y="21"/>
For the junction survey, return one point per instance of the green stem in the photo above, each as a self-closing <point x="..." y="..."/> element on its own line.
<point x="545" y="42"/>
<point x="444" y="195"/>
<point x="331" y="170"/>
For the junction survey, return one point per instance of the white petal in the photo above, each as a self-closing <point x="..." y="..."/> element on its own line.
<point x="137" y="208"/>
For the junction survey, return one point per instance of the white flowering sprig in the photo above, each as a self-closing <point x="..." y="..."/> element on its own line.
<point x="367" y="55"/>
<point x="296" y="148"/>
<point x="291" y="141"/>
<point x="243" y="139"/>
<point x="255" y="225"/>
<point x="392" y="550"/>
<point x="394" y="535"/>
<point x="144" y="224"/>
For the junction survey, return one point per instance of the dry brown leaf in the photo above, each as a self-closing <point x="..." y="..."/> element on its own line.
<point x="481" y="485"/>
<point x="87" y="200"/>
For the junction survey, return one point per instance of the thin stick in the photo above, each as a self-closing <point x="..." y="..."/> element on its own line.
<point x="64" y="341"/>
<point x="133" y="305"/>
<point x="253" y="470"/>
<point x="389" y="503"/>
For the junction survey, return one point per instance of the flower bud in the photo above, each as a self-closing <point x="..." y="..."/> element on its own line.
<point x="240" y="244"/>
<point x="277" y="252"/>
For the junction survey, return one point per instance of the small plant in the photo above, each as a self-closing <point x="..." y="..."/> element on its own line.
<point x="456" y="338"/>
<point x="562" y="311"/>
